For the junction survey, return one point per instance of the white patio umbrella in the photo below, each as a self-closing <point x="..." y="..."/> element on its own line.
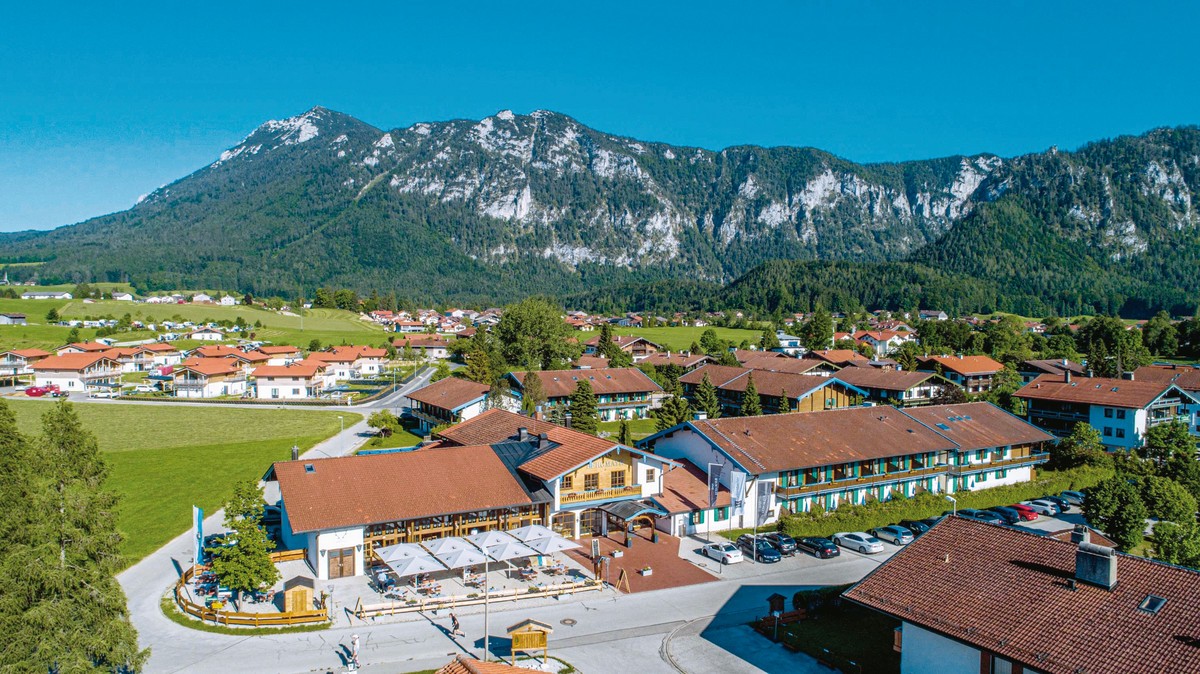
<point x="549" y="546"/>
<point x="441" y="546"/>
<point x="458" y="559"/>
<point x="513" y="550"/>
<point x="486" y="539"/>
<point x="411" y="566"/>
<point x="532" y="532"/>
<point x="399" y="551"/>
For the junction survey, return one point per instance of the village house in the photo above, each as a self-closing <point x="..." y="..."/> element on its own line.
<point x="352" y="362"/>
<point x="839" y="357"/>
<point x="46" y="295"/>
<point x="681" y="359"/>
<point x="280" y="355"/>
<point x="890" y="386"/>
<point x="12" y="319"/>
<point x="964" y="593"/>
<point x="131" y="358"/>
<point x="933" y="315"/>
<point x="789" y="344"/>
<point x="248" y="360"/>
<point x="884" y="342"/>
<point x="803" y="393"/>
<point x="1032" y="369"/>
<point x="17" y="364"/>
<point x="205" y="335"/>
<point x="82" y="347"/>
<point x="122" y="297"/>
<point x="209" y="378"/>
<point x="448" y="401"/>
<point x="429" y="347"/>
<point x="297" y="381"/>
<point x="202" y="298"/>
<point x="975" y="374"/>
<point x="621" y="392"/>
<point x="78" y="372"/>
<point x="1184" y="376"/>
<point x="793" y="462"/>
<point x="228" y="301"/>
<point x="638" y="347"/>
<point x="773" y="363"/>
<point x="1121" y="410"/>
<point x="163" y="355"/>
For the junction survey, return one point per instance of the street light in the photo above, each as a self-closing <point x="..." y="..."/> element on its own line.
<point x="341" y="440"/>
<point x="954" y="506"/>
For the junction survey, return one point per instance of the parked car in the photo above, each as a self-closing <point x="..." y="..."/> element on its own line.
<point x="758" y="549"/>
<point x="725" y="553"/>
<point x="1027" y="513"/>
<point x="1063" y="504"/>
<point x="1073" y="497"/>
<point x="143" y="388"/>
<point x="782" y="542"/>
<point x="917" y="527"/>
<point x="930" y="521"/>
<point x="981" y="515"/>
<point x="894" y="534"/>
<point x="35" y="391"/>
<point x="105" y="393"/>
<point x="1009" y="515"/>
<point x="1042" y="507"/>
<point x="858" y="540"/>
<point x="822" y="548"/>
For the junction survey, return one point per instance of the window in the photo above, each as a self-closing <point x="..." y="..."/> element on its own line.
<point x="1120" y="414"/>
<point x="1001" y="474"/>
<point x="1108" y="413"/>
<point x="295" y="391"/>
<point x="1001" y="666"/>
<point x="616" y="479"/>
<point x="1152" y="604"/>
<point x="650" y="475"/>
<point x="1120" y="432"/>
<point x="591" y="481"/>
<point x="1108" y="431"/>
<point x="568" y="481"/>
<point x="697" y="517"/>
<point x="721" y="514"/>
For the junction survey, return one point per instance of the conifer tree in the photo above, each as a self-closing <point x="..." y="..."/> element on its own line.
<point x="624" y="436"/>
<point x="479" y="367"/>
<point x="674" y="410"/>
<point x="533" y="393"/>
<point x="584" y="416"/>
<point x="706" y="398"/>
<point x="751" y="404"/>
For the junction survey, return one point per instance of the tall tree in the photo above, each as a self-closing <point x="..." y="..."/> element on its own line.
<point x="1167" y="500"/>
<point x="1165" y="440"/>
<point x="624" y="436"/>
<point x="1082" y="446"/>
<point x="817" y="333"/>
<point x="1116" y="508"/>
<point x="242" y="560"/>
<point x="499" y="393"/>
<point x="534" y="336"/>
<point x="674" y="410"/>
<point x="479" y="367"/>
<point x="751" y="403"/>
<point x="706" y="398"/>
<point x="584" y="414"/>
<point x="1177" y="543"/>
<point x="1160" y="335"/>
<point x="61" y="608"/>
<point x="711" y="344"/>
<point x="533" y="394"/>
<point x="769" y="340"/>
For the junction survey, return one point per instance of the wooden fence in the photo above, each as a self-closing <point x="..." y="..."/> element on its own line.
<point x="223" y="617"/>
<point x="420" y="604"/>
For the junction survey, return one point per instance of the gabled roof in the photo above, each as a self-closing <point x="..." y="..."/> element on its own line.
<point x="685" y="489"/>
<point x="492" y="427"/>
<point x="884" y="379"/>
<point x="1183" y="376"/>
<point x="88" y="347"/>
<point x="376" y="488"/>
<point x="774" y="364"/>
<point x="160" y="347"/>
<point x="72" y="362"/>
<point x="278" y="350"/>
<point x="718" y="375"/>
<point x="1053" y="366"/>
<point x="606" y="381"/>
<point x="303" y="369"/>
<point x="29" y="353"/>
<point x="836" y="356"/>
<point x="347" y="354"/>
<point x="978" y="425"/>
<point x="462" y="664"/>
<point x="979" y="584"/>
<point x="744" y="355"/>
<point x="964" y="365"/>
<point x="451" y="393"/>
<point x="210" y="367"/>
<point x="676" y="358"/>
<point x="422" y="341"/>
<point x="1131" y="394"/>
<point x="623" y="341"/>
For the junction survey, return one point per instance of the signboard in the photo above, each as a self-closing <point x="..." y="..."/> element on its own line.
<point x="198" y="531"/>
<point x="737" y="485"/>
<point x="528" y="641"/>
<point x="714" y="483"/>
<point x="764" y="504"/>
<point x="595" y="549"/>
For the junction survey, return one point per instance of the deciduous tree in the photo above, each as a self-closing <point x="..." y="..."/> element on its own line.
<point x="1166" y="499"/>
<point x="1116" y="508"/>
<point x="242" y="558"/>
<point x="1082" y="446"/>
<point x="534" y="336"/>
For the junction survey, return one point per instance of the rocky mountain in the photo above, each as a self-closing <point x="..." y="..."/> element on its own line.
<point x="516" y="204"/>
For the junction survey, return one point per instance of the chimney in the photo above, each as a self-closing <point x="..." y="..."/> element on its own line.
<point x="567" y="420"/>
<point x="523" y="434"/>
<point x="543" y="441"/>
<point x="700" y="415"/>
<point x="295" y="453"/>
<point x="1080" y="534"/>
<point x="1066" y="376"/>
<point x="1096" y="565"/>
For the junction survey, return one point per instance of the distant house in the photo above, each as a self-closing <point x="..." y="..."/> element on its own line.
<point x="353" y="362"/>
<point x="297" y="381"/>
<point x="82" y="347"/>
<point x="687" y="361"/>
<point x="163" y="355"/>
<point x="122" y="297"/>
<point x="247" y="360"/>
<point x="621" y="392"/>
<point x="281" y="354"/>
<point x="12" y="319"/>
<point x="18" y="363"/>
<point x="884" y="342"/>
<point x="838" y="357"/>
<point x="433" y="347"/>
<point x="408" y="326"/>
<point x="46" y="295"/>
<point x="804" y="393"/>
<point x="448" y="401"/>
<point x="201" y="298"/>
<point x="228" y="301"/>
<point x="927" y="315"/>
<point x="889" y="386"/>
<point x="78" y="372"/>
<point x="209" y="378"/>
<point x="973" y="373"/>
<point x="789" y="344"/>
<point x="638" y="347"/>
<point x="205" y="335"/>
<point x="1032" y="369"/>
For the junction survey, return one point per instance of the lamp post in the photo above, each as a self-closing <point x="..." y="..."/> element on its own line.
<point x="342" y="441"/>
<point x="486" y="597"/>
<point x="954" y="504"/>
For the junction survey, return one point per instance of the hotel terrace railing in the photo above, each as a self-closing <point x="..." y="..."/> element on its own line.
<point x="599" y="495"/>
<point x="223" y="617"/>
<point x="856" y="482"/>
<point x="424" y="604"/>
<point x="1015" y="462"/>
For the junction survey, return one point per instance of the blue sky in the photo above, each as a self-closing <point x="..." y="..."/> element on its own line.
<point x="103" y="102"/>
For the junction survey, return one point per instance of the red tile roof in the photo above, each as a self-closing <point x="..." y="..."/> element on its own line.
<point x="718" y="375"/>
<point x="775" y="364"/>
<point x="981" y="584"/>
<point x="73" y="362"/>
<point x="1094" y="391"/>
<point x="978" y="425"/>
<point x="607" y="381"/>
<point x="1055" y="366"/>
<point x="964" y="365"/>
<point x="590" y="363"/>
<point x="681" y="359"/>
<point x="422" y="341"/>
<point x="450" y="393"/>
<point x="280" y="350"/>
<point x="1183" y="376"/>
<point x="884" y="379"/>
<point x="356" y="491"/>
<point x="210" y="367"/>
<point x="465" y="665"/>
<point x="685" y="489"/>
<point x="492" y="427"/>
<point x="89" y="347"/>
<point x="160" y="347"/>
<point x="304" y="369"/>
<point x="30" y="353"/>
<point x="836" y="356"/>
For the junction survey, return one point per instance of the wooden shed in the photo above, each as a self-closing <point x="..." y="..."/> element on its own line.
<point x="298" y="594"/>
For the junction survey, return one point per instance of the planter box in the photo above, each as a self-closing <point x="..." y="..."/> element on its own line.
<point x="618" y="553"/>
<point x="646" y="572"/>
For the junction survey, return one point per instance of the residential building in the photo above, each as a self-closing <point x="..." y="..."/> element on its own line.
<point x="228" y="301"/>
<point x="884" y="342"/>
<point x="18" y="363"/>
<point x="804" y="393"/>
<point x="932" y="315"/>
<point x="46" y="295"/>
<point x="82" y="347"/>
<point x="122" y="297"/>
<point x="298" y="381"/>
<point x="448" y="401"/>
<point x="201" y="298"/>
<point x="590" y="363"/>
<point x="247" y="359"/>
<point x="12" y="319"/>
<point x="638" y="347"/>
<point x="772" y="363"/>
<point x="205" y="334"/>
<point x="621" y="392"/>
<point x="973" y="373"/>
<point x="281" y="355"/>
<point x="681" y="359"/>
<point x="684" y="499"/>
<point x="1183" y="376"/>
<point x="430" y="347"/>
<point x="78" y="372"/>
<point x="789" y="344"/>
<point x="353" y="362"/>
<point x="209" y="378"/>
<point x="131" y="358"/>
<point x="797" y="461"/>
<point x="1032" y="369"/>
<point x="890" y="386"/>
<point x="1121" y="410"/>
<point x="162" y="354"/>
<point x="839" y="357"/>
<point x="965" y="594"/>
<point x="407" y="326"/>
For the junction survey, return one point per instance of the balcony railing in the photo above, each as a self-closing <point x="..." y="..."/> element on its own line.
<point x="1014" y="462"/>
<point x="599" y="495"/>
<point x="856" y="482"/>
<point x="101" y="374"/>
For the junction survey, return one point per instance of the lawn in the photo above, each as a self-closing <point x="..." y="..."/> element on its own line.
<point x="160" y="467"/>
<point x="845" y="635"/>
<point x="399" y="438"/>
<point x="638" y="428"/>
<point x="680" y="338"/>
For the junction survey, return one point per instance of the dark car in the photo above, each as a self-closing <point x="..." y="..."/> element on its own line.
<point x="917" y="527"/>
<point x="1010" y="515"/>
<point x="758" y="549"/>
<point x="785" y="544"/>
<point x="981" y="515"/>
<point x="1063" y="504"/>
<point x="818" y="547"/>
<point x="931" y="521"/>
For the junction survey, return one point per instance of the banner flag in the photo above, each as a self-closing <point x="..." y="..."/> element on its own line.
<point x="737" y="486"/>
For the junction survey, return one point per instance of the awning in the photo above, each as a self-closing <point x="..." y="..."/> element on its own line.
<point x="627" y="510"/>
<point x="400" y="551"/>
<point x="514" y="550"/>
<point x="442" y="546"/>
<point x="411" y="566"/>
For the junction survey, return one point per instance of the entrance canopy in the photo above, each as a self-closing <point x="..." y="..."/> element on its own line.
<point x="627" y="510"/>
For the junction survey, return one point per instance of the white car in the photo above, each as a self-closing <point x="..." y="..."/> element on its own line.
<point x="143" y="388"/>
<point x="1042" y="507"/>
<point x="857" y="540"/>
<point x="725" y="553"/>
<point x="104" y="394"/>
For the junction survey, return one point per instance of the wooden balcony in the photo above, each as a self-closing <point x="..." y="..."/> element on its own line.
<point x="1015" y="462"/>
<point x="599" y="495"/>
<point x="857" y="482"/>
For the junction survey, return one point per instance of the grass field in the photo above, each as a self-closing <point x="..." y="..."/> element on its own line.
<point x="846" y="635"/>
<point x="165" y="458"/>
<point x="638" y="428"/>
<point x="679" y="338"/>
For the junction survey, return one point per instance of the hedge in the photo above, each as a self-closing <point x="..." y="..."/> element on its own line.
<point x="863" y="517"/>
